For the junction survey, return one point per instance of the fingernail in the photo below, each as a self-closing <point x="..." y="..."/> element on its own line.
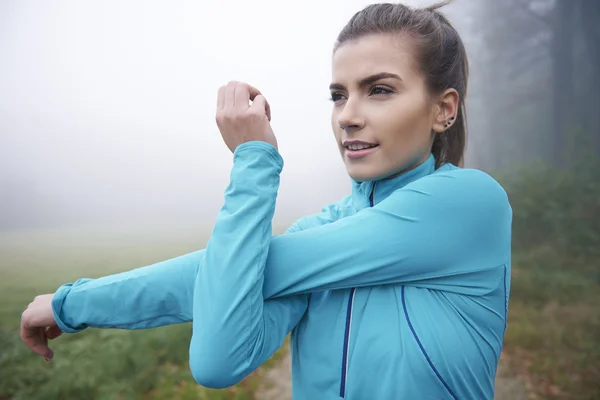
<point x="47" y="359"/>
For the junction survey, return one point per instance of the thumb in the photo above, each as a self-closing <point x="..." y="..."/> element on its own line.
<point x="261" y="103"/>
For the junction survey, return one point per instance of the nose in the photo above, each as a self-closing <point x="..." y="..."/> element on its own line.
<point x="350" y="118"/>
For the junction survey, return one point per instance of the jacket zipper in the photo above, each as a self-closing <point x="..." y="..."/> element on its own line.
<point x="349" y="327"/>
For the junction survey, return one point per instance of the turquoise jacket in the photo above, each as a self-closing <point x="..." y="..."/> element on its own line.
<point x="398" y="291"/>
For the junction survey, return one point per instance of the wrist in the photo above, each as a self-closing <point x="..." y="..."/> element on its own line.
<point x="258" y="148"/>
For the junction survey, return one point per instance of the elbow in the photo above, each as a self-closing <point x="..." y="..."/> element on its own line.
<point x="214" y="367"/>
<point x="211" y="376"/>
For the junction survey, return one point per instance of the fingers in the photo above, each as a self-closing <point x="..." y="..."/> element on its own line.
<point x="242" y="96"/>
<point x="239" y="95"/>
<point x="253" y="94"/>
<point x="244" y="93"/>
<point x="221" y="99"/>
<point x="36" y="340"/>
<point x="267" y="109"/>
<point x="259" y="104"/>
<point x="230" y="95"/>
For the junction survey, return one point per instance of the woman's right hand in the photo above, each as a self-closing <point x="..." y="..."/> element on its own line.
<point x="38" y="325"/>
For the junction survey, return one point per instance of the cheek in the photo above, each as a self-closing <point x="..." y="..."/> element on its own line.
<point x="405" y="130"/>
<point x="406" y="120"/>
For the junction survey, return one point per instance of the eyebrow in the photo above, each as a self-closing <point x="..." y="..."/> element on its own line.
<point x="368" y="80"/>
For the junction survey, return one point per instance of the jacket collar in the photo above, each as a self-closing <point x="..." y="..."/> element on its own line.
<point x="381" y="189"/>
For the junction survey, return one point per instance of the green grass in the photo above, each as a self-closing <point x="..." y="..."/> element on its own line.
<point x="553" y="336"/>
<point x="94" y="364"/>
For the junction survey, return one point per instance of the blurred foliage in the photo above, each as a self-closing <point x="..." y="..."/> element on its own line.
<point x="103" y="364"/>
<point x="557" y="206"/>
<point x="111" y="364"/>
<point x="553" y="335"/>
<point x="535" y="78"/>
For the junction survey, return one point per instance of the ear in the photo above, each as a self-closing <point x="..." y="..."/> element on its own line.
<point x="445" y="111"/>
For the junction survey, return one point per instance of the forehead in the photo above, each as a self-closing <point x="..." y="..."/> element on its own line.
<point x="373" y="54"/>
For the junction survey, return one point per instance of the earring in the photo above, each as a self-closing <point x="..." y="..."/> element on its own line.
<point x="449" y="123"/>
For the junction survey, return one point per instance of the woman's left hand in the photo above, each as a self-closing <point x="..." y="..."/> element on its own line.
<point x="238" y="120"/>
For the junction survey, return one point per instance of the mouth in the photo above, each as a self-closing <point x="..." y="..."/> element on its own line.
<point x="358" y="149"/>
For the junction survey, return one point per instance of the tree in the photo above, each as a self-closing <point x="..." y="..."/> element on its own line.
<point x="535" y="65"/>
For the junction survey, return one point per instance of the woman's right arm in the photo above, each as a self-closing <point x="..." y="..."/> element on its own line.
<point x="146" y="297"/>
<point x="155" y="295"/>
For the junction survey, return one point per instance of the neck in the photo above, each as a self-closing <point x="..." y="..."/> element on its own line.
<point x="412" y="166"/>
<point x="369" y="193"/>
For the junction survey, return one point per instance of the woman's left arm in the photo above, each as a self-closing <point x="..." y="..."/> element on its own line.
<point x="234" y="329"/>
<point x="449" y="231"/>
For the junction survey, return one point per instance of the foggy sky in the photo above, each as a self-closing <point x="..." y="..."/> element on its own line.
<point x="107" y="108"/>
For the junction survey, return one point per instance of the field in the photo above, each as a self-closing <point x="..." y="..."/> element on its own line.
<point x="94" y="364"/>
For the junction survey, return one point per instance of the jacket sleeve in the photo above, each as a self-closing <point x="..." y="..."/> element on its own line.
<point x="234" y="329"/>
<point x="449" y="231"/>
<point x="146" y="297"/>
<point x="150" y="296"/>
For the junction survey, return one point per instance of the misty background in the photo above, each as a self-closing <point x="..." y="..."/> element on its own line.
<point x="107" y="108"/>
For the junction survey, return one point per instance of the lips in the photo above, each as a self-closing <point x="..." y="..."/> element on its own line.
<point x="358" y="149"/>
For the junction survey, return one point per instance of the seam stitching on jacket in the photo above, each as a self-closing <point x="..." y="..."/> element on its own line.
<point x="423" y="349"/>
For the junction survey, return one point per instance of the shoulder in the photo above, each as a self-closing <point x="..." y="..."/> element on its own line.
<point x="450" y="181"/>
<point x="469" y="179"/>
<point x="329" y="213"/>
<point x="453" y="189"/>
<point x="467" y="208"/>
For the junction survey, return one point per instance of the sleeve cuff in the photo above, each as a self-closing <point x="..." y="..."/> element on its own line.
<point x="57" y="305"/>
<point x="255" y="147"/>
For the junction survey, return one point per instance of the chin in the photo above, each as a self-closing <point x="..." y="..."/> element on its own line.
<point x="362" y="173"/>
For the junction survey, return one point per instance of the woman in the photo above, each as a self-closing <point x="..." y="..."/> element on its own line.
<point x="398" y="291"/>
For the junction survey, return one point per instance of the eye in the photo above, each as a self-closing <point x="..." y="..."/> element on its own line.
<point x="380" y="90"/>
<point x="336" y="96"/>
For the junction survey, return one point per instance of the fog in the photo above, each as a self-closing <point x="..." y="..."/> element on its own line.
<point x="107" y="108"/>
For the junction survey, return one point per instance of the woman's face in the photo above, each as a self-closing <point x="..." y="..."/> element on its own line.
<point x="382" y="117"/>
